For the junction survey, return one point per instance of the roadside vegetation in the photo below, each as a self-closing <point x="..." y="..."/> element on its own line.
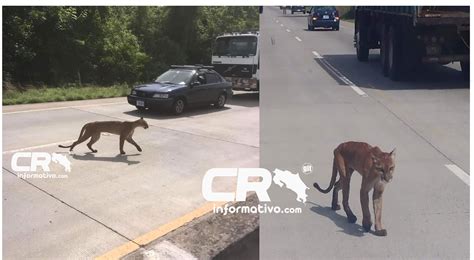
<point x="65" y="93"/>
<point x="67" y="53"/>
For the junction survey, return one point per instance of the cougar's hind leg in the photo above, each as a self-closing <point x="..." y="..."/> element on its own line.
<point x="346" y="184"/>
<point x="335" y="194"/>
<point x="81" y="139"/>
<point x="122" y="141"/>
<point x="94" y="139"/>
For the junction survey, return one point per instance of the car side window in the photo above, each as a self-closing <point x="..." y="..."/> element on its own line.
<point x="201" y="78"/>
<point x="212" y="78"/>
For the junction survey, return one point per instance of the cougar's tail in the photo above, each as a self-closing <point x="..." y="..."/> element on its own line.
<point x="81" y="134"/>
<point x="333" y="179"/>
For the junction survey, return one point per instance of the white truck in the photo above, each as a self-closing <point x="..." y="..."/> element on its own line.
<point x="236" y="56"/>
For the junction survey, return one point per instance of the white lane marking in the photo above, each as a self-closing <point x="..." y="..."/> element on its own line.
<point x="288" y="30"/>
<point x="317" y="55"/>
<point x="341" y="76"/>
<point x="67" y="142"/>
<point x="281" y="25"/>
<point x="277" y="21"/>
<point x="459" y="172"/>
<point x="297" y="38"/>
<point x="65" y="107"/>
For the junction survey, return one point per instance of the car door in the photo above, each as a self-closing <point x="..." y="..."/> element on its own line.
<point x="197" y="89"/>
<point x="213" y="87"/>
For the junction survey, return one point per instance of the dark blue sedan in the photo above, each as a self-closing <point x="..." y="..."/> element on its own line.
<point x="182" y="87"/>
<point x="323" y="17"/>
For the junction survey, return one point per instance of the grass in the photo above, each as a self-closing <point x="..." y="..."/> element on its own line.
<point x="67" y="93"/>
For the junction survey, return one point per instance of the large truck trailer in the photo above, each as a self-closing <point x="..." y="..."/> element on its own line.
<point x="410" y="35"/>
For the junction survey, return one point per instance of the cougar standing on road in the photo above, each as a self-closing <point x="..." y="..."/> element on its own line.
<point x="123" y="129"/>
<point x="376" y="168"/>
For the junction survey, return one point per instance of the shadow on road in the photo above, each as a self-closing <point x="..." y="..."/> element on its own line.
<point x="340" y="221"/>
<point x="245" y="99"/>
<point x="165" y="115"/>
<point x="123" y="158"/>
<point x="319" y="30"/>
<point x="369" y="75"/>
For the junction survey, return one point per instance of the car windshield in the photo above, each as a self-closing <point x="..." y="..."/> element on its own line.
<point x="174" y="76"/>
<point x="324" y="9"/>
<point x="236" y="46"/>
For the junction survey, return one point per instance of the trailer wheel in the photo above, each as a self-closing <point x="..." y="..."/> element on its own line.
<point x="362" y="46"/>
<point x="465" y="69"/>
<point x="384" y="51"/>
<point x="394" y="54"/>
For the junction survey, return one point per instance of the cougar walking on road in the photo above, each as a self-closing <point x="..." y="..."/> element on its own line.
<point x="376" y="168"/>
<point x="123" y="129"/>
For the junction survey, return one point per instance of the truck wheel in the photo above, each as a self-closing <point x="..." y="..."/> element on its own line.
<point x="362" y="48"/>
<point x="383" y="51"/>
<point x="465" y="69"/>
<point x="394" y="55"/>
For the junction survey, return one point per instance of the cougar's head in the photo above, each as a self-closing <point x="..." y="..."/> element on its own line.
<point x="384" y="164"/>
<point x="142" y="123"/>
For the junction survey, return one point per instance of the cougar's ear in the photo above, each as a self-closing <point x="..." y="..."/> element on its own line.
<point x="392" y="153"/>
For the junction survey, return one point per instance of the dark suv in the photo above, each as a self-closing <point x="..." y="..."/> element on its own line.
<point x="180" y="87"/>
<point x="323" y="16"/>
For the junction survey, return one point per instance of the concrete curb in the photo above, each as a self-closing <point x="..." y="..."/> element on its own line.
<point x="212" y="236"/>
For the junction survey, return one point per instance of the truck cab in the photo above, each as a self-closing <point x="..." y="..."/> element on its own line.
<point x="236" y="56"/>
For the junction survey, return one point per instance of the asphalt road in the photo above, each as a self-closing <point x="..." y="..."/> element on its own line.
<point x="107" y="199"/>
<point x="315" y="95"/>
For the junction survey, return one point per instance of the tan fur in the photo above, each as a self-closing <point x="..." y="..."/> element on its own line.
<point x="376" y="168"/>
<point x="123" y="129"/>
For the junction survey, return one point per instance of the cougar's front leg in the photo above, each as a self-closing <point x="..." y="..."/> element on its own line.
<point x="364" y="201"/>
<point x="377" y="200"/>
<point x="130" y="140"/>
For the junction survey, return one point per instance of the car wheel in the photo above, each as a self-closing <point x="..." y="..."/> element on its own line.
<point x="178" y="106"/>
<point x="292" y="12"/>
<point x="221" y="99"/>
<point x="310" y="28"/>
<point x="384" y="50"/>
